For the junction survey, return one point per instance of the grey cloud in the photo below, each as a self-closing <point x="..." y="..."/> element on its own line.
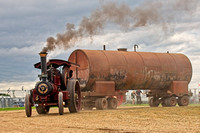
<point x="25" y="25"/>
<point x="30" y="18"/>
<point x="24" y="29"/>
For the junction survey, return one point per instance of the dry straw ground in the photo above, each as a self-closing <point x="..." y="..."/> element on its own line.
<point x="124" y="119"/>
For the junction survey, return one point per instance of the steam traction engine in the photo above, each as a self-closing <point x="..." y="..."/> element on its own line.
<point x="55" y="88"/>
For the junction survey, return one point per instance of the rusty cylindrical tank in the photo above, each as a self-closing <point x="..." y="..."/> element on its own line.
<point x="130" y="70"/>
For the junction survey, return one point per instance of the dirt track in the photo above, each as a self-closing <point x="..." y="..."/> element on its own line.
<point x="124" y="119"/>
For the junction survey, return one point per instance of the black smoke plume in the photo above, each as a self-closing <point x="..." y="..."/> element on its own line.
<point x="154" y="12"/>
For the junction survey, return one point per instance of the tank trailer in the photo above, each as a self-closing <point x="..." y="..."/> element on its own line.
<point x="104" y="73"/>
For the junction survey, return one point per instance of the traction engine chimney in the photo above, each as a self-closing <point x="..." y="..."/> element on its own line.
<point x="43" y="58"/>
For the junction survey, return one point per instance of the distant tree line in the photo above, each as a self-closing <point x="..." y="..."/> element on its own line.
<point x="2" y="94"/>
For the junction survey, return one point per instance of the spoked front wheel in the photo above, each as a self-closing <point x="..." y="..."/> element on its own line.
<point x="60" y="103"/>
<point x="28" y="107"/>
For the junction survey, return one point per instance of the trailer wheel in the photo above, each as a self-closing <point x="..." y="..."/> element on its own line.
<point x="153" y="102"/>
<point x="171" y="101"/>
<point x="74" y="103"/>
<point x="183" y="101"/>
<point x="97" y="104"/>
<point x="28" y="107"/>
<point x="60" y="103"/>
<point x="164" y="102"/>
<point x="101" y="103"/>
<point x="112" y="103"/>
<point x="42" y="110"/>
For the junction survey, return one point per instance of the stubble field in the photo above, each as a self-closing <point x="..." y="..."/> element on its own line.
<point x="123" y="119"/>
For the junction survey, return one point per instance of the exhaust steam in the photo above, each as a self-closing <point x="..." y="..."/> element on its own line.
<point x="159" y="13"/>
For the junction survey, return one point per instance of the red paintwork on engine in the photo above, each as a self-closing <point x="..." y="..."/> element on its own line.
<point x="57" y="80"/>
<point x="54" y="77"/>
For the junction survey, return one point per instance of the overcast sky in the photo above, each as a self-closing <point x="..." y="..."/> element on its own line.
<point x="25" y="26"/>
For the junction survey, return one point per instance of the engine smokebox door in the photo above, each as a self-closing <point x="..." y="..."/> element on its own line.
<point x="105" y="87"/>
<point x="179" y="87"/>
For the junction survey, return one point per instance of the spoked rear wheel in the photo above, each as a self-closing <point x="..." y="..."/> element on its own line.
<point x="28" y="107"/>
<point x="74" y="103"/>
<point x="64" y="76"/>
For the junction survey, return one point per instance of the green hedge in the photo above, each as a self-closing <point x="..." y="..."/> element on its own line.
<point x="17" y="108"/>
